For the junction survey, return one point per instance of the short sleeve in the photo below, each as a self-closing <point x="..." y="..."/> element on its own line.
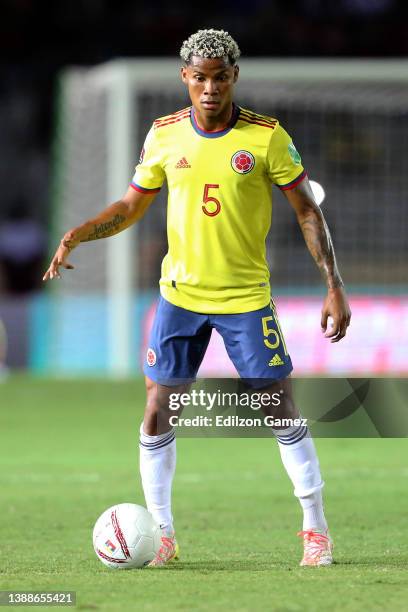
<point x="284" y="162"/>
<point x="149" y="173"/>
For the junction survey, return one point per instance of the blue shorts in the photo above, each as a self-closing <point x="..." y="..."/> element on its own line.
<point x="179" y="339"/>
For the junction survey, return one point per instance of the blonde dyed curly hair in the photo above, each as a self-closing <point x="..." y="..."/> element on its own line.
<point x="210" y="43"/>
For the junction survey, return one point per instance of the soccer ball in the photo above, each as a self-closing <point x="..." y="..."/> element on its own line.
<point x="126" y="536"/>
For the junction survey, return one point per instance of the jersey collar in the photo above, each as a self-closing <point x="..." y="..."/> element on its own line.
<point x="217" y="133"/>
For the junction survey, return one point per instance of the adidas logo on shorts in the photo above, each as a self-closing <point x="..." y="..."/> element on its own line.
<point x="276" y="360"/>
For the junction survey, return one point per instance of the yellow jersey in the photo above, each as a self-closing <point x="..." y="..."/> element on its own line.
<point x="219" y="205"/>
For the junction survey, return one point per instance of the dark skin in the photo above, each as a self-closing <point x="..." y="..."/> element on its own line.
<point x="210" y="83"/>
<point x="319" y="242"/>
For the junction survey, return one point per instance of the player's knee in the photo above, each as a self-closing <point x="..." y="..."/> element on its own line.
<point x="286" y="407"/>
<point x="154" y="399"/>
<point x="156" y="417"/>
<point x="150" y="386"/>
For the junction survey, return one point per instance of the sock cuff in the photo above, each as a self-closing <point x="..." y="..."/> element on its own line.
<point x="291" y="435"/>
<point x="156" y="442"/>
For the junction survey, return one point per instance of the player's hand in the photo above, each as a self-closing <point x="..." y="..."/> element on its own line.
<point x="59" y="260"/>
<point x="337" y="307"/>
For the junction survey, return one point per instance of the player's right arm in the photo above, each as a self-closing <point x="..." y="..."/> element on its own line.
<point x="146" y="183"/>
<point x="114" y="219"/>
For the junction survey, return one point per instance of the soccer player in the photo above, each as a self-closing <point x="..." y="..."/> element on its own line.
<point x="219" y="161"/>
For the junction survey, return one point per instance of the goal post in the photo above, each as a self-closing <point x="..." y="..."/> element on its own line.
<point x="119" y="248"/>
<point x="345" y="116"/>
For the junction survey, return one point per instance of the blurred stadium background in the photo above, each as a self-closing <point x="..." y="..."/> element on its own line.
<point x="74" y="109"/>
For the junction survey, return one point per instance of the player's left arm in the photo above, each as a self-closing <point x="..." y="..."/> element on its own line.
<point x="320" y="245"/>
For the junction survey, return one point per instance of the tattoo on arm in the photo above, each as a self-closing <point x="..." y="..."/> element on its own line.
<point x="319" y="242"/>
<point x="109" y="228"/>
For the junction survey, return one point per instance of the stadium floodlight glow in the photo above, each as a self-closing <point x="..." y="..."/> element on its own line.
<point x="318" y="192"/>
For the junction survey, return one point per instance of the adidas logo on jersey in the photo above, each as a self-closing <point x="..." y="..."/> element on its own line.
<point x="182" y="163"/>
<point x="276" y="360"/>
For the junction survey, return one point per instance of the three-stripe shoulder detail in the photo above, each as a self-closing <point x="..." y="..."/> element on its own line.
<point x="255" y="118"/>
<point x="173" y="118"/>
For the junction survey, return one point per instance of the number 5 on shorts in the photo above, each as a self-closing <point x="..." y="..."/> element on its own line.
<point x="277" y="335"/>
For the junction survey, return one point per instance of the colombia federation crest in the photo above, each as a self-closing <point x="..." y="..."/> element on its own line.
<point x="242" y="162"/>
<point x="151" y="357"/>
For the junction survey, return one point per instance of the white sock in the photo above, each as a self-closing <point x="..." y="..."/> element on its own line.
<point x="300" y="460"/>
<point x="157" y="467"/>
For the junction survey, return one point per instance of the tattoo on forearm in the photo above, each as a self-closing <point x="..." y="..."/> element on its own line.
<point x="319" y="242"/>
<point x="109" y="228"/>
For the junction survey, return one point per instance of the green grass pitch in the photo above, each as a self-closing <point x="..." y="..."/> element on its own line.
<point x="70" y="449"/>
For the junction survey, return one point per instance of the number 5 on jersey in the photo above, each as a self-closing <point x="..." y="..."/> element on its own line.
<point x="210" y="200"/>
